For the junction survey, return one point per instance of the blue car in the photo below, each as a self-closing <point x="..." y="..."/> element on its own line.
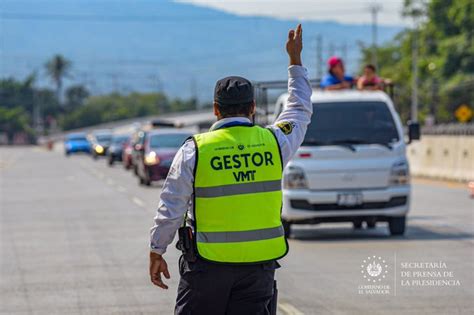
<point x="76" y="142"/>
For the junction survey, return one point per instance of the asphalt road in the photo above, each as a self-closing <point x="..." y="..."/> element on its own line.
<point x="74" y="240"/>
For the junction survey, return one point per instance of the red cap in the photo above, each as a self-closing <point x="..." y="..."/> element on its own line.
<point x="334" y="61"/>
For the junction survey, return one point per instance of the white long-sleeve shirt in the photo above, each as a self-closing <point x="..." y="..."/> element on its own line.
<point x="177" y="194"/>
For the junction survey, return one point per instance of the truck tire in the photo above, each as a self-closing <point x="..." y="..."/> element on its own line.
<point x="357" y="225"/>
<point x="371" y="224"/>
<point x="397" y="225"/>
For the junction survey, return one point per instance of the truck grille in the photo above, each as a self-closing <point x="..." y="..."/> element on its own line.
<point x="305" y="205"/>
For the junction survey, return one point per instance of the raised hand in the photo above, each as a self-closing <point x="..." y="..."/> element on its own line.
<point x="294" y="45"/>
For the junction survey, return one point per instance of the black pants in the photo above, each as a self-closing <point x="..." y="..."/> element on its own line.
<point x="206" y="288"/>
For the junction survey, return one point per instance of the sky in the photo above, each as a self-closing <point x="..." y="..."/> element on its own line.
<point x="344" y="11"/>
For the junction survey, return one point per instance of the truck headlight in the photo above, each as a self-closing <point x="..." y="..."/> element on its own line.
<point x="151" y="159"/>
<point x="294" y="178"/>
<point x="400" y="173"/>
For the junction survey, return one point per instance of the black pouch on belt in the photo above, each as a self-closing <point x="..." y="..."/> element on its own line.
<point x="186" y="243"/>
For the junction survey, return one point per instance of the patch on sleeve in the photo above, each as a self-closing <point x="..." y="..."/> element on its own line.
<point x="285" y="126"/>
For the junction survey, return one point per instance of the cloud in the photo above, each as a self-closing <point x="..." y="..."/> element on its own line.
<point x="343" y="11"/>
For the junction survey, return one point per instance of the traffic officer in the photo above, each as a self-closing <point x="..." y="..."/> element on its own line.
<point x="227" y="182"/>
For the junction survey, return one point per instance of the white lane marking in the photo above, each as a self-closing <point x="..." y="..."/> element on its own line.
<point x="289" y="309"/>
<point x="138" y="202"/>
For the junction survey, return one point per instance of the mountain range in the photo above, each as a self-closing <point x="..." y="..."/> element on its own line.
<point x="161" y="45"/>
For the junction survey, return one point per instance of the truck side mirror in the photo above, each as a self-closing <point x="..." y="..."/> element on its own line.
<point x="413" y="131"/>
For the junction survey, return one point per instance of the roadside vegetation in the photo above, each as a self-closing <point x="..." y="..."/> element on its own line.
<point x="31" y="110"/>
<point x="445" y="40"/>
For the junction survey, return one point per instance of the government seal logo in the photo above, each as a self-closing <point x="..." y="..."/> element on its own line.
<point x="374" y="269"/>
<point x="286" y="127"/>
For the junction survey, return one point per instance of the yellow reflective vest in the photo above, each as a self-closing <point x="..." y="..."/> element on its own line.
<point x="238" y="197"/>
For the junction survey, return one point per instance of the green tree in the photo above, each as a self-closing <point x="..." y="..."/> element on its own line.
<point x="75" y="96"/>
<point x="19" y="100"/>
<point x="414" y="8"/>
<point x="14" y="120"/>
<point x="15" y="93"/>
<point x="48" y="103"/>
<point x="114" y="106"/>
<point x="57" y="69"/>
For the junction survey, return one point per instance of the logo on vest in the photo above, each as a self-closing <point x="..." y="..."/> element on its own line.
<point x="250" y="162"/>
<point x="241" y="147"/>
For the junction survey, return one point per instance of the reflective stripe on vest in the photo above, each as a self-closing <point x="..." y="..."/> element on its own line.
<point x="240" y="236"/>
<point x="238" y="196"/>
<point x="237" y="189"/>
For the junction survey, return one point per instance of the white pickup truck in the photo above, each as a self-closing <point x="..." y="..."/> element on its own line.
<point x="352" y="165"/>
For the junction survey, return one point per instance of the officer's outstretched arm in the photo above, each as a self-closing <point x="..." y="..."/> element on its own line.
<point x="291" y="125"/>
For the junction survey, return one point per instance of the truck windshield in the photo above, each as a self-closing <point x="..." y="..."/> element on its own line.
<point x="351" y="123"/>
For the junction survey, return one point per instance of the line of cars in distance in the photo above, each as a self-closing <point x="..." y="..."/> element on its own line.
<point x="148" y="151"/>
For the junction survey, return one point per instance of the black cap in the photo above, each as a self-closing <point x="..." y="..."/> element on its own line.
<point x="233" y="91"/>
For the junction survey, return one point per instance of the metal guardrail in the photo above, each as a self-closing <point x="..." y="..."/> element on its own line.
<point x="454" y="129"/>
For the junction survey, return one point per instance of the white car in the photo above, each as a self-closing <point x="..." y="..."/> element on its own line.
<point x="352" y="165"/>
